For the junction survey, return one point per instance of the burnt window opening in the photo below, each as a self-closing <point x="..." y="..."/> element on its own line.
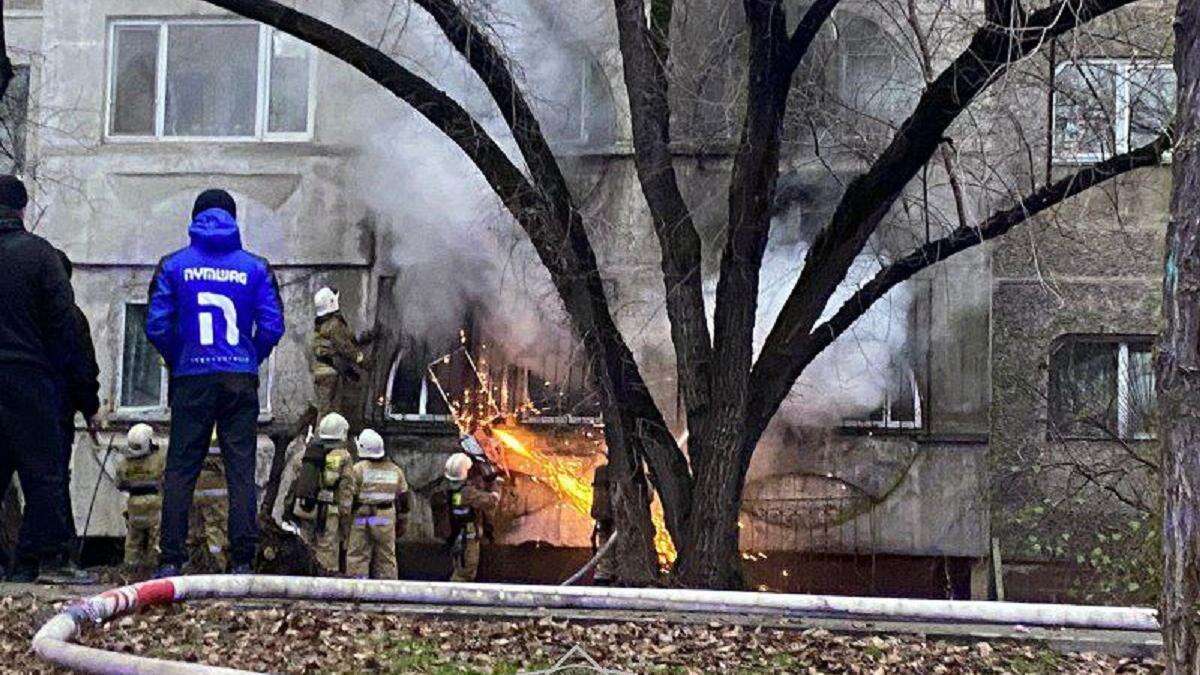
<point x="476" y="379"/>
<point x="1102" y="388"/>
<point x="208" y="79"/>
<point x="901" y="407"/>
<point x="142" y="377"/>
<point x="1104" y="107"/>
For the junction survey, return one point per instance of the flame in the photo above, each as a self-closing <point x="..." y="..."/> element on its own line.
<point x="563" y="476"/>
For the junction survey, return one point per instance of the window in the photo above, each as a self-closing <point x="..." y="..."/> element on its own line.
<point x="1104" y="107"/>
<point x="208" y="79"/>
<point x="901" y="408"/>
<point x="142" y="379"/>
<point x="582" y="110"/>
<point x="14" y="111"/>
<point x="1102" y="387"/>
<point x="414" y="394"/>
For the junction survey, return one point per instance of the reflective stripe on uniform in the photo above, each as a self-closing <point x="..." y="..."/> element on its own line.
<point x="141" y="520"/>
<point x="377" y="498"/>
<point x="373" y="520"/>
<point x="385" y="476"/>
<point x="213" y="492"/>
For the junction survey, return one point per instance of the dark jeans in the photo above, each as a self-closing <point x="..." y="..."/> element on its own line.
<point x="230" y="401"/>
<point x="31" y="446"/>
<point x="67" y="426"/>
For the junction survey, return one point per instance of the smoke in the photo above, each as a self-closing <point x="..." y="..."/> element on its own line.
<point x="457" y="250"/>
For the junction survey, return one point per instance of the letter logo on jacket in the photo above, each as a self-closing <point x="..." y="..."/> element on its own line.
<point x="214" y="308"/>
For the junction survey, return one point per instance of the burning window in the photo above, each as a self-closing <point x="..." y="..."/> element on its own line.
<point x="142" y="379"/>
<point x="901" y="407"/>
<point x="1102" y="388"/>
<point x="208" y="79"/>
<point x="1107" y="106"/>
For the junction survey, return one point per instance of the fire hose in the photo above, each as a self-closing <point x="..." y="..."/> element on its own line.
<point x="53" y="642"/>
<point x="591" y="564"/>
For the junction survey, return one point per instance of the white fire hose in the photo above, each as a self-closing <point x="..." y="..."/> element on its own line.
<point x="53" y="642"/>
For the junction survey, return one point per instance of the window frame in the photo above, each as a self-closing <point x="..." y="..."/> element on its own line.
<point x="262" y="131"/>
<point x="887" y="423"/>
<point x="426" y="387"/>
<point x="161" y="411"/>
<point x="1122" y="108"/>
<point x="1122" y="396"/>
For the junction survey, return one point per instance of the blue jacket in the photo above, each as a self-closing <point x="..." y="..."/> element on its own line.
<point x="214" y="308"/>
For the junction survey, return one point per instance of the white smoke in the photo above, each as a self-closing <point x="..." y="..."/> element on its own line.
<point x="457" y="249"/>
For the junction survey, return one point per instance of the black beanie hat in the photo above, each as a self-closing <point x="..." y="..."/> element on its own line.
<point x="214" y="199"/>
<point x="12" y="193"/>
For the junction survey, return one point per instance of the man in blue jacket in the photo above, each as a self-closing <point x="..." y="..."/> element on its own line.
<point x="215" y="315"/>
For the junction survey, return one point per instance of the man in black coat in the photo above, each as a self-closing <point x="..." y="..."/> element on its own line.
<point x="83" y="396"/>
<point x="39" y="350"/>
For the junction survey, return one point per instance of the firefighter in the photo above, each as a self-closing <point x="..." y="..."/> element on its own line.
<point x="376" y="497"/>
<point x="603" y="515"/>
<point x="211" y="499"/>
<point x="338" y="358"/>
<point x="314" y="497"/>
<point x="463" y="507"/>
<point x="139" y="474"/>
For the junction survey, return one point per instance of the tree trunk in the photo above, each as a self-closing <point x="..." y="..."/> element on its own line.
<point x="709" y="556"/>
<point x="1178" y="368"/>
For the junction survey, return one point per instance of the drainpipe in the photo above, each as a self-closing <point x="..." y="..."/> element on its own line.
<point x="53" y="642"/>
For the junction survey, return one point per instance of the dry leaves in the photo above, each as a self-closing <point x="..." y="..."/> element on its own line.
<point x="302" y="638"/>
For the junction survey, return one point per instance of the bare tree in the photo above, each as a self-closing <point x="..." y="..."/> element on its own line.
<point x="729" y="396"/>
<point x="1178" y="368"/>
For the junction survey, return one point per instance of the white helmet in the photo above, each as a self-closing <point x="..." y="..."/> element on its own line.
<point x="333" y="427"/>
<point x="139" y="442"/>
<point x="370" y="444"/>
<point x="457" y="467"/>
<point x="326" y="301"/>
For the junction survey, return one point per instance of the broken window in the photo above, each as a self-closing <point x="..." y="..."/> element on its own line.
<point x="142" y="380"/>
<point x="1102" y="388"/>
<point x="208" y="79"/>
<point x="901" y="407"/>
<point x="1104" y="107"/>
<point x="414" y="393"/>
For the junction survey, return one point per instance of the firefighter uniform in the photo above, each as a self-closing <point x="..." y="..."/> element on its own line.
<point x="140" y="476"/>
<point x="606" y="567"/>
<point x="211" y="502"/>
<point x="377" y="500"/>
<point x="322" y="484"/>
<point x="461" y="512"/>
<point x="337" y="356"/>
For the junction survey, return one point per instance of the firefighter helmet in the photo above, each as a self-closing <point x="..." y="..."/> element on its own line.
<point x="370" y="445"/>
<point x="326" y="301"/>
<point x="139" y="441"/>
<point x="333" y="427"/>
<point x="457" y="467"/>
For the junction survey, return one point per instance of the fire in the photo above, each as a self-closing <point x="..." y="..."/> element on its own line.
<point x="563" y="476"/>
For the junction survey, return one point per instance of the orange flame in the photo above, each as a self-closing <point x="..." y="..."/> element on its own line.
<point x="564" y="478"/>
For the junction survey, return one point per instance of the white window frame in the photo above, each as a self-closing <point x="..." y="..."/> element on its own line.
<point x="1121" y="106"/>
<point x="1124" y="396"/>
<point x="136" y="411"/>
<point x="427" y="389"/>
<point x="262" y="115"/>
<point x="159" y="411"/>
<point x="887" y="422"/>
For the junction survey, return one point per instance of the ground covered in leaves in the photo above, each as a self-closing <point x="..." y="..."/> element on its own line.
<point x="306" y="639"/>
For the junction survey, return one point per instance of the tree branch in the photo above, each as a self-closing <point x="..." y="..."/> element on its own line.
<point x="870" y="196"/>
<point x="644" y="54"/>
<point x="560" y="240"/>
<point x="961" y="239"/>
<point x="806" y="31"/>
